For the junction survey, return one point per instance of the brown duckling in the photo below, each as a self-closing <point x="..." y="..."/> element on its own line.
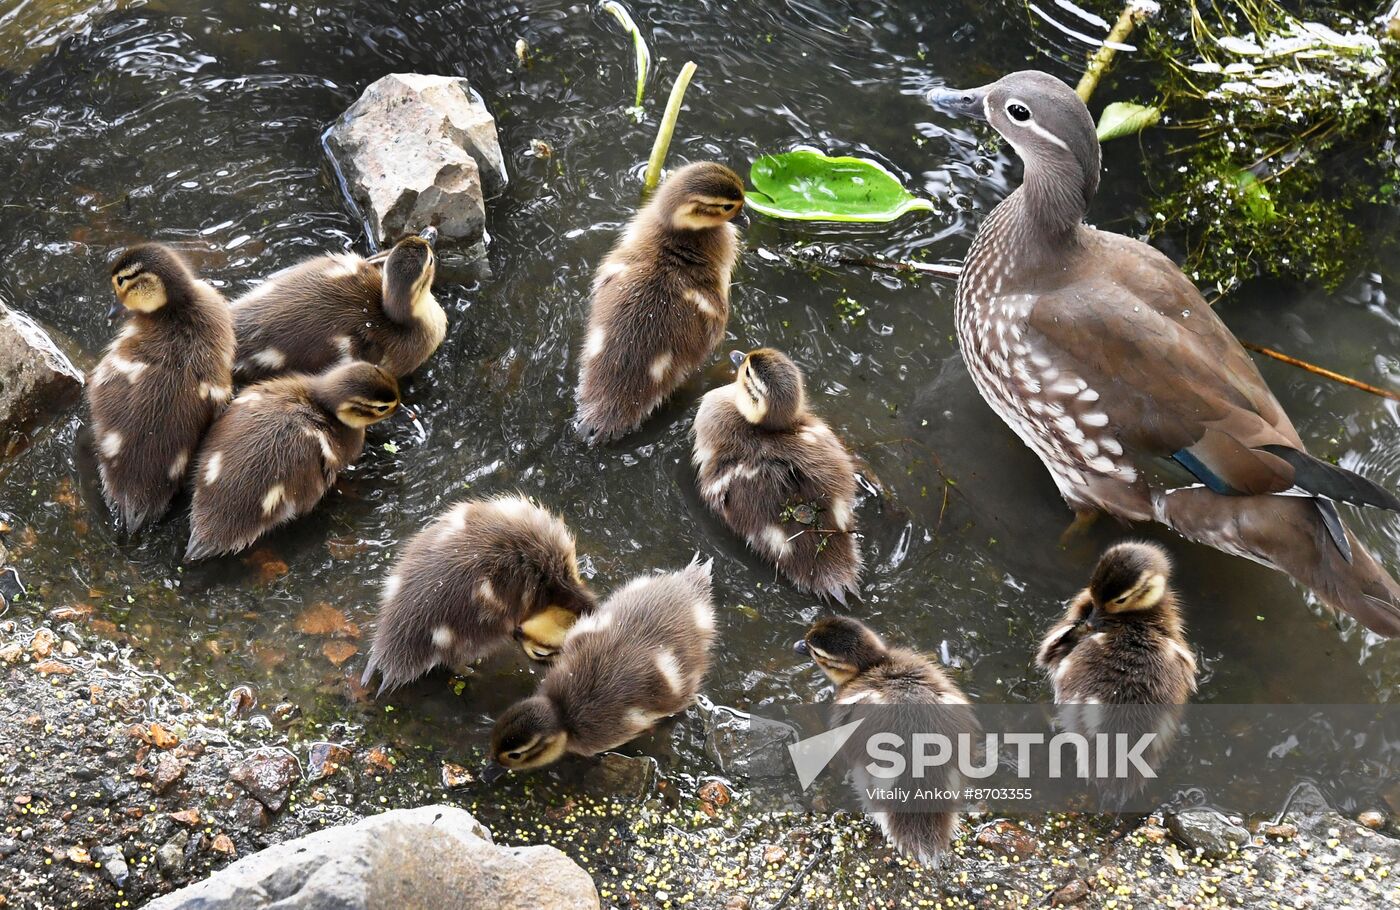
<point x="637" y="659"/>
<point x="481" y="571"/>
<point x="1122" y="640"/>
<point x="778" y="475"/>
<point x="868" y="671"/>
<point x="160" y="384"/>
<point x="342" y="307"/>
<point x="277" y="450"/>
<point x="660" y="300"/>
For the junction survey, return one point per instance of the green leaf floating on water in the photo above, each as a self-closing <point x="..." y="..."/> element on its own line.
<point x="1123" y="118"/>
<point x="807" y="185"/>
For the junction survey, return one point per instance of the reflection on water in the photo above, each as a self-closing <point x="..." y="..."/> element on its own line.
<point x="197" y="123"/>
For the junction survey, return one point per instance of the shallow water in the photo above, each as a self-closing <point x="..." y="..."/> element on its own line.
<point x="198" y="123"/>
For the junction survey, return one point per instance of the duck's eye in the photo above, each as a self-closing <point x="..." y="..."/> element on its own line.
<point x="1018" y="112"/>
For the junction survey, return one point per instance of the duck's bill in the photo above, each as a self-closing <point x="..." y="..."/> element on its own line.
<point x="960" y="102"/>
<point x="737" y="358"/>
<point x="429" y="234"/>
<point x="493" y="771"/>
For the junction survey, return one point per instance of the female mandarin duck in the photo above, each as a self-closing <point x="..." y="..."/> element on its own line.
<point x="1104" y="358"/>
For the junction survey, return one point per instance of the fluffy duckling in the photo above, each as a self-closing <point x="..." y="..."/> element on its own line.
<point x="278" y="448"/>
<point x="160" y="384"/>
<point x="342" y="307"/>
<point x="868" y="671"/>
<point x="480" y="572"/>
<point x="660" y="300"/>
<point x="639" y="658"/>
<point x="778" y="475"/>
<point x="1121" y="641"/>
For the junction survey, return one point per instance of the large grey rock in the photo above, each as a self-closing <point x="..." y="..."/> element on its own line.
<point x="418" y="150"/>
<point x="37" y="380"/>
<point x="409" y="859"/>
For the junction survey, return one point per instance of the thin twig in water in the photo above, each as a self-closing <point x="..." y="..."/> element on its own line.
<point x="802" y="876"/>
<point x="1321" y="371"/>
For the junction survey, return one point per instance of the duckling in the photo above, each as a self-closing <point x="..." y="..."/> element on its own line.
<point x="639" y="658"/>
<point x="162" y="381"/>
<point x="1121" y="641"/>
<point x="778" y="475"/>
<point x="660" y="300"/>
<point x="480" y="572"/>
<point x="868" y="671"/>
<point x="278" y="448"/>
<point x="342" y="307"/>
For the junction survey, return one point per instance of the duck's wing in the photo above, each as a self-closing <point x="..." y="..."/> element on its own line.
<point x="1174" y="383"/>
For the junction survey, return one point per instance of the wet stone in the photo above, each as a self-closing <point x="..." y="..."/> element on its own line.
<point x="169" y="769"/>
<point x="114" y="865"/>
<point x="418" y="150"/>
<point x="1069" y="894"/>
<point x="1008" y="839"/>
<point x="326" y="759"/>
<point x="249" y="813"/>
<point x="267" y="775"/>
<point x="171" y="855"/>
<point x="620" y="776"/>
<point x="37" y="381"/>
<point x="1208" y="831"/>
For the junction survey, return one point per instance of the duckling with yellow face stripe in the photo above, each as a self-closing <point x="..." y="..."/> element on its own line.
<point x="637" y="659"/>
<point x="162" y="381"/>
<point x="277" y="450"/>
<point x="478" y="573"/>
<point x="1122" y="641"/>
<point x="342" y="307"/>
<point x="660" y="300"/>
<point x="778" y="475"/>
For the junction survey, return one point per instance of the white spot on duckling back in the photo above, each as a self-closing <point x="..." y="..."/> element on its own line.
<point x="443" y="638"/>
<point x="273" y="499"/>
<point x="596" y="621"/>
<point x="328" y="452"/>
<point x="178" y="465"/>
<point x="607" y="271"/>
<point x="343" y="265"/>
<point x="486" y="592"/>
<point x="702" y="302"/>
<point x="391" y="588"/>
<point x="249" y="397"/>
<point x="346" y="345"/>
<point x="215" y="393"/>
<point x="597" y="339"/>
<point x="213" y="466"/>
<point x="271" y="358"/>
<point x="670" y="669"/>
<point x="111" y="444"/>
<point x="659" y="366"/>
<point x="776" y="540"/>
<point x="703" y="613"/>
<point x="131" y="370"/>
<point x="841" y="515"/>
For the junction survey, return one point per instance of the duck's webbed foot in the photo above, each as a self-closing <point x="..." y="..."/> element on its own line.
<point x="1083" y="520"/>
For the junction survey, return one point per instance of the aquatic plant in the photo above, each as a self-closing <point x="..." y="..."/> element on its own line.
<point x="662" y="145"/>
<point x="808" y="185"/>
<point x="1286" y="126"/>
<point x="639" y="44"/>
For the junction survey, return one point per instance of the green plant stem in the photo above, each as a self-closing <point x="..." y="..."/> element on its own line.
<point x="662" y="145"/>
<point x="1132" y="14"/>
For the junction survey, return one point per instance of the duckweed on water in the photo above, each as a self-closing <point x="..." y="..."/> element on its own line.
<point x="1289" y="141"/>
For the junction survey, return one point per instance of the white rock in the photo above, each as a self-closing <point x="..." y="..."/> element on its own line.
<point x="417" y="150"/>
<point x="37" y="381"/>
<point x="429" y="857"/>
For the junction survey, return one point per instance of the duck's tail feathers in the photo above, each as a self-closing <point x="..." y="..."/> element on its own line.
<point x="1288" y="533"/>
<point x="1323" y="479"/>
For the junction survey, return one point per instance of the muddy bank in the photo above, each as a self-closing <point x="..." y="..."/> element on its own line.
<point x="117" y="787"/>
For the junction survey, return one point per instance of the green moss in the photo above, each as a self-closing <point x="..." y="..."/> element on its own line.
<point x="1278" y="161"/>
